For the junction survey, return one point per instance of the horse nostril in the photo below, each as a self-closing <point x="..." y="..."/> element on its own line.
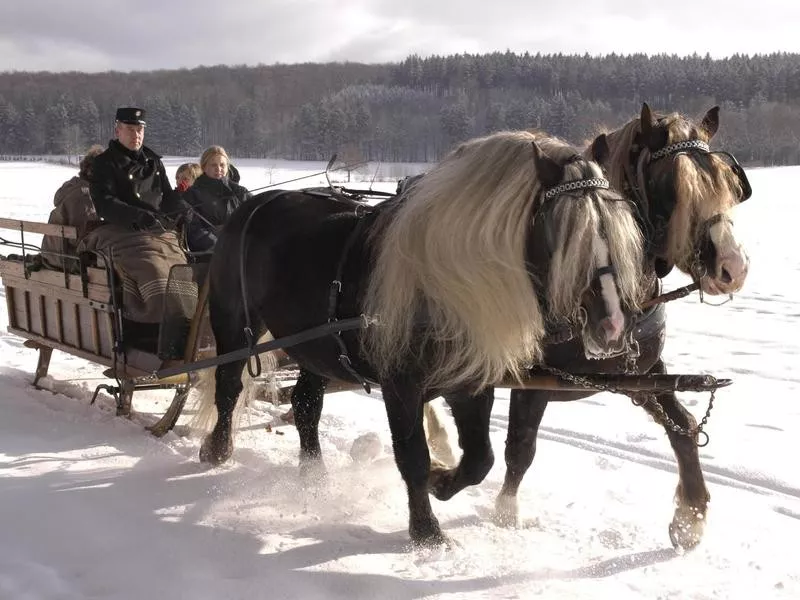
<point x="725" y="276"/>
<point x="612" y="329"/>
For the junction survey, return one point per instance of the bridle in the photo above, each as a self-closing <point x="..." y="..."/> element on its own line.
<point x="654" y="219"/>
<point x="571" y="186"/>
<point x="568" y="331"/>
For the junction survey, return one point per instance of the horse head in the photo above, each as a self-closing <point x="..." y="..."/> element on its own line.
<point x="685" y="193"/>
<point x="586" y="245"/>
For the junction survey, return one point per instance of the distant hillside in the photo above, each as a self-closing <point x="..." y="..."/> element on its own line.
<point x="411" y="111"/>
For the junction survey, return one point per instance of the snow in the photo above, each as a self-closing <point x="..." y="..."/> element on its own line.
<point x="92" y="506"/>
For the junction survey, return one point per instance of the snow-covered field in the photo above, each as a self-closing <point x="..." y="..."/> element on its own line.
<point x="93" y="507"/>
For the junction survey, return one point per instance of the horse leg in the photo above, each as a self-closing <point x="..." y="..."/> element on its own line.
<point x="525" y="413"/>
<point x="307" y="398"/>
<point x="404" y="407"/>
<point x="218" y="445"/>
<point x="691" y="495"/>
<point x="228" y="327"/>
<point x="471" y="415"/>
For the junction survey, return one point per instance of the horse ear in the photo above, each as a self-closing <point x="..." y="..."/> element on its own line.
<point x="550" y="173"/>
<point x="646" y="117"/>
<point x="600" y="150"/>
<point x="711" y="121"/>
<point x="652" y="136"/>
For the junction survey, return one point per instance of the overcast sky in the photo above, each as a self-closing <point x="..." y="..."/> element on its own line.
<point x="99" y="35"/>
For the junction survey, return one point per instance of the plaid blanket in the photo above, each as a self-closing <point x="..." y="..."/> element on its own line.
<point x="143" y="260"/>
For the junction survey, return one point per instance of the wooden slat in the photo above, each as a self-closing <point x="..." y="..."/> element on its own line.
<point x="12" y="317"/>
<point x="59" y="320"/>
<point x="42" y="317"/>
<point x="19" y="307"/>
<point x="65" y="231"/>
<point x="108" y="327"/>
<point x="95" y="328"/>
<point x="27" y="303"/>
<point x="97" y="277"/>
<point x="97" y="293"/>
<point x="76" y="313"/>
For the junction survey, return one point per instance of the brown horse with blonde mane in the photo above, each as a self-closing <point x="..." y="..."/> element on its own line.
<point x="684" y="194"/>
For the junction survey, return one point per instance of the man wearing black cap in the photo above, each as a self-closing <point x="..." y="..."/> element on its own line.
<point x="133" y="196"/>
<point x="130" y="187"/>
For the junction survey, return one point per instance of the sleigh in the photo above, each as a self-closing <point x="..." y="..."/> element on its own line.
<point x="77" y="310"/>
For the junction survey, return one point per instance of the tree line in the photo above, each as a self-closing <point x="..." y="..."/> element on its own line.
<point x="411" y="111"/>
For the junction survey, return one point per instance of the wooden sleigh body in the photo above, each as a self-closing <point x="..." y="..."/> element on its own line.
<point x="80" y="314"/>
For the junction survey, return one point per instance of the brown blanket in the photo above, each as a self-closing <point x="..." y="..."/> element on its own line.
<point x="143" y="260"/>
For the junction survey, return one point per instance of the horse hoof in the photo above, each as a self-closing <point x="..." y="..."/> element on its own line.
<point x="686" y="531"/>
<point x="215" y="453"/>
<point x="313" y="472"/>
<point x="506" y="512"/>
<point x="435" y="542"/>
<point x="440" y="483"/>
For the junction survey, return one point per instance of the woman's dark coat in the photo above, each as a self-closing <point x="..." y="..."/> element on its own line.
<point x="213" y="202"/>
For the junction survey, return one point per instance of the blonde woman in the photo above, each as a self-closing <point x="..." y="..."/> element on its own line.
<point x="213" y="198"/>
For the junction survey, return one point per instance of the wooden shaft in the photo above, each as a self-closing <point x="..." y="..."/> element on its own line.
<point x="627" y="383"/>
<point x="623" y="383"/>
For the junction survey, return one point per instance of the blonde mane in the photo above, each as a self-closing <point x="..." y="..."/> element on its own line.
<point x="700" y="194"/>
<point x="454" y="251"/>
<point x="577" y="226"/>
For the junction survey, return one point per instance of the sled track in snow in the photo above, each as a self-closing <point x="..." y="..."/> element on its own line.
<point x="632" y="453"/>
<point x="629" y="452"/>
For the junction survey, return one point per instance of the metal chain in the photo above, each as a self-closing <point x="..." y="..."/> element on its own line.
<point x="642" y="399"/>
<point x="665" y="420"/>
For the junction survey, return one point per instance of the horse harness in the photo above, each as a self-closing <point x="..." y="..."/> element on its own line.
<point x="567" y="332"/>
<point x="654" y="220"/>
<point x="635" y="175"/>
<point x="360" y="209"/>
<point x="335" y="290"/>
<point x="333" y="302"/>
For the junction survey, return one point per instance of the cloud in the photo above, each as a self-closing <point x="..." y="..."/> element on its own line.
<point x="97" y="35"/>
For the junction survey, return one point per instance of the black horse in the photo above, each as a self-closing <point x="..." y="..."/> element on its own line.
<point x="684" y="193"/>
<point x="456" y="272"/>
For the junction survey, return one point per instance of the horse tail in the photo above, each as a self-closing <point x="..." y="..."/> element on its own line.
<point x="437" y="435"/>
<point x="201" y="397"/>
